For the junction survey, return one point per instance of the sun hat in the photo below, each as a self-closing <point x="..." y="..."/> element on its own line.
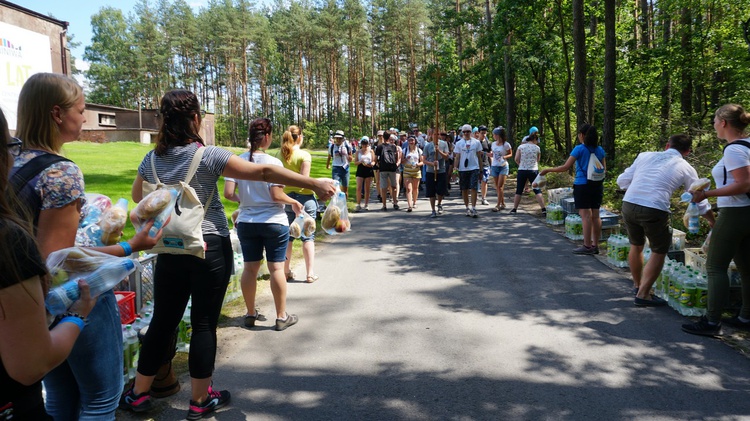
<point x="339" y="133"/>
<point x="381" y="133"/>
<point x="466" y="128"/>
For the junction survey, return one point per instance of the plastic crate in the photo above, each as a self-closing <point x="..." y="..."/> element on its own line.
<point x="695" y="258"/>
<point x="569" y="205"/>
<point x="678" y="240"/>
<point x="609" y="219"/>
<point x="126" y="304"/>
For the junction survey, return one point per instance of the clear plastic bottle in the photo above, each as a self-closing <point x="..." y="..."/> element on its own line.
<point x="126" y="357"/>
<point x="185" y="331"/>
<point x="611" y="248"/>
<point x="686" y="295"/>
<point x="133" y="348"/>
<point x="147" y="308"/>
<point x="162" y="217"/>
<point x="693" y="218"/>
<point x="701" y="295"/>
<point x="101" y="280"/>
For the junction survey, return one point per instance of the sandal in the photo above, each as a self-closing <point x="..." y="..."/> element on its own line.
<point x="290" y="276"/>
<point x="495" y="209"/>
<point x="312" y="278"/>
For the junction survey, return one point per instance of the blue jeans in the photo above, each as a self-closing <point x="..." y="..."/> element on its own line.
<point x="341" y="175"/>
<point x="87" y="386"/>
<point x="311" y="207"/>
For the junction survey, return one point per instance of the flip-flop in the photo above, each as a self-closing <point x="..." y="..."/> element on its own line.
<point x="311" y="279"/>
<point x="290" y="276"/>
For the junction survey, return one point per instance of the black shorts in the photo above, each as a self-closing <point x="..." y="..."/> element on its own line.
<point x="643" y="222"/>
<point x="522" y="176"/>
<point x="432" y="186"/>
<point x="589" y="195"/>
<point x="468" y="180"/>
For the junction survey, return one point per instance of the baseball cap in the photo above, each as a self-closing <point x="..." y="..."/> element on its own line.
<point x="393" y="137"/>
<point x="380" y="133"/>
<point x="475" y="129"/>
<point x="339" y="133"/>
<point x="482" y="128"/>
<point x="466" y="128"/>
<point x="497" y="129"/>
<point x="533" y="129"/>
<point x="393" y="130"/>
<point x="364" y="139"/>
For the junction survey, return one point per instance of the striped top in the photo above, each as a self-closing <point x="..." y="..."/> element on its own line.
<point x="172" y="168"/>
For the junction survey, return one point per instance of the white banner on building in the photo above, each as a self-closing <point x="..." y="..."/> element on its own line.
<point x="22" y="54"/>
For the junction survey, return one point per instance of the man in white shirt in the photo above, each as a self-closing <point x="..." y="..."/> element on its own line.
<point x="650" y="183"/>
<point x="468" y="157"/>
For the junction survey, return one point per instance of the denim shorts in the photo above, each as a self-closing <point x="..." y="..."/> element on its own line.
<point x="498" y="171"/>
<point x="468" y="180"/>
<point x="341" y="175"/>
<point x="255" y="237"/>
<point x="311" y="207"/>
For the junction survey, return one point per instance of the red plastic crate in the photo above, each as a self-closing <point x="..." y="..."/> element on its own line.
<point x="126" y="304"/>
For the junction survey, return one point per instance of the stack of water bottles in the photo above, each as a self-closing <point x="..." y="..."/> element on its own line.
<point x="131" y="345"/>
<point x="618" y="248"/>
<point x="573" y="227"/>
<point x="555" y="215"/>
<point x="683" y="287"/>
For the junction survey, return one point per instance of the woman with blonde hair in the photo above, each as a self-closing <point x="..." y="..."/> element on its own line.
<point x="412" y="172"/>
<point x="295" y="159"/>
<point x="51" y="113"/>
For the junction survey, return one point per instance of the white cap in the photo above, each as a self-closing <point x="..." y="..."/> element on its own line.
<point x="466" y="128"/>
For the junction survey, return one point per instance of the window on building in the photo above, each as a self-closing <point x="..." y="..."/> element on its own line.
<point x="107" y="120"/>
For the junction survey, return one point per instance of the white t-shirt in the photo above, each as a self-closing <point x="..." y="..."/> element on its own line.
<point x="735" y="156"/>
<point x="528" y="153"/>
<point x="256" y="204"/>
<point x="498" y="152"/>
<point x="468" y="150"/>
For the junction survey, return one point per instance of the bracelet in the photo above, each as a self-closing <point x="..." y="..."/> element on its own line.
<point x="74" y="318"/>
<point x="126" y="247"/>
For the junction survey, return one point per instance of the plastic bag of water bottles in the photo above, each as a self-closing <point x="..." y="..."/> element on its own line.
<point x="102" y="224"/>
<point x="539" y="182"/>
<point x="335" y="219"/>
<point x="101" y="271"/>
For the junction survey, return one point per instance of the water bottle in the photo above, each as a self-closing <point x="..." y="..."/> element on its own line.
<point x="611" y="248"/>
<point x="133" y="348"/>
<point x="126" y="357"/>
<point x="162" y="217"/>
<point x="693" y="221"/>
<point x="60" y="298"/>
<point x="185" y="332"/>
<point x="701" y="295"/>
<point x="147" y="308"/>
<point x="686" y="197"/>
<point x="686" y="295"/>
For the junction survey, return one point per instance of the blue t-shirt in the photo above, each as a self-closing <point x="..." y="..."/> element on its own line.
<point x="582" y="153"/>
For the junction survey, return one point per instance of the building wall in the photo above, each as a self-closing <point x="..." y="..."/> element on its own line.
<point x="55" y="30"/>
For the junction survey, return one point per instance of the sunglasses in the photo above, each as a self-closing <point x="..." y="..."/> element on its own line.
<point x="467" y="131"/>
<point x="14" y="147"/>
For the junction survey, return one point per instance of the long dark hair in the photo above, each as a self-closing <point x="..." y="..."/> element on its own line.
<point x="258" y="129"/>
<point x="590" y="135"/>
<point x="8" y="210"/>
<point x="178" y="127"/>
<point x="502" y="134"/>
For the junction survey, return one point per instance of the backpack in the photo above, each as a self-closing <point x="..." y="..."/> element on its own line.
<point x="736" y="142"/>
<point x="595" y="170"/>
<point x="183" y="234"/>
<point x="388" y="158"/>
<point x="19" y="180"/>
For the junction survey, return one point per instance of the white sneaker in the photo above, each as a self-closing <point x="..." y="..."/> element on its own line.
<point x="440" y="209"/>
<point x="365" y="208"/>
<point x="358" y="208"/>
<point x="474" y="213"/>
<point x="468" y="212"/>
<point x="485" y="202"/>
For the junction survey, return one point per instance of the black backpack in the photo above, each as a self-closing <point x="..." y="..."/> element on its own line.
<point x="736" y="142"/>
<point x="388" y="158"/>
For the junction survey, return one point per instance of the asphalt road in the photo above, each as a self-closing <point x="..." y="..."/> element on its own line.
<point x="458" y="318"/>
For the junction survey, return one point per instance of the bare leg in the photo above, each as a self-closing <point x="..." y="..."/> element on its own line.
<point x="465" y="196"/>
<point x="635" y="261"/>
<point x="500" y="186"/>
<point x="288" y="262"/>
<point x="249" y="284"/>
<point x="409" y="186"/>
<point x="484" y="190"/>
<point x="200" y="389"/>
<point x="278" y="287"/>
<point x="308" y="251"/>
<point x="540" y="200"/>
<point x="516" y="201"/>
<point x="368" y="183"/>
<point x="359" y="191"/>
<point x="586" y="222"/>
<point x="473" y="198"/>
<point x="596" y="227"/>
<point x="650" y="273"/>
<point x="414" y="191"/>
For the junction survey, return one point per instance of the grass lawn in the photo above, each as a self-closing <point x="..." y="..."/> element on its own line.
<point x="110" y="168"/>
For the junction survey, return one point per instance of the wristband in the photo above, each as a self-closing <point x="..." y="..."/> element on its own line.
<point x="126" y="247"/>
<point x="76" y="320"/>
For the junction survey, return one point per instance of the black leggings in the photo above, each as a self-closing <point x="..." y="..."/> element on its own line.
<point x="176" y="278"/>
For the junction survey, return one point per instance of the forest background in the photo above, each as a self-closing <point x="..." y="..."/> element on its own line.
<point x="639" y="70"/>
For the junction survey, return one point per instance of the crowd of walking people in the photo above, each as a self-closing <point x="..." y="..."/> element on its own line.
<point x="79" y="356"/>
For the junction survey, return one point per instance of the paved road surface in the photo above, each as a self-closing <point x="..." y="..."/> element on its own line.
<point x="457" y="318"/>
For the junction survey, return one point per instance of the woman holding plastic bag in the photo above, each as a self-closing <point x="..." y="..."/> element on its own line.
<point x="587" y="193"/>
<point x="262" y="225"/>
<point x="295" y="159"/>
<point x="730" y="237"/>
<point x="28" y="349"/>
<point x="179" y="276"/>
<point x="50" y="113"/>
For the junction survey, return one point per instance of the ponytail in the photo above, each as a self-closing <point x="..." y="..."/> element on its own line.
<point x="259" y="128"/>
<point x="590" y="135"/>
<point x="288" y="140"/>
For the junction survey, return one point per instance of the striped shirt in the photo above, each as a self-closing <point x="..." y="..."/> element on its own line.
<point x="172" y="168"/>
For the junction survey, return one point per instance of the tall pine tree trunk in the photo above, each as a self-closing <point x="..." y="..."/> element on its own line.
<point x="610" y="60"/>
<point x="579" y="60"/>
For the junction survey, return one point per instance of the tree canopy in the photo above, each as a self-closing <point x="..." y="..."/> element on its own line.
<point x="641" y="70"/>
